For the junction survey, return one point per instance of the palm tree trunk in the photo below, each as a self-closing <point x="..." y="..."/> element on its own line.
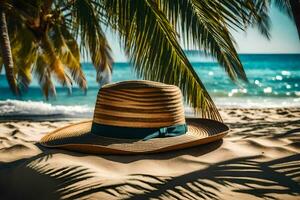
<point x="295" y="4"/>
<point x="6" y="54"/>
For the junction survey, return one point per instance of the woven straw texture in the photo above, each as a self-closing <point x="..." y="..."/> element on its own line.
<point x="147" y="104"/>
<point x="137" y="104"/>
<point x="79" y="138"/>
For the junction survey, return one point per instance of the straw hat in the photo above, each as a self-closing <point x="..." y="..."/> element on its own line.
<point x="133" y="117"/>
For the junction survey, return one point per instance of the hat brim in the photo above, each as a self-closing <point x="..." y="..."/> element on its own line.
<point x="78" y="137"/>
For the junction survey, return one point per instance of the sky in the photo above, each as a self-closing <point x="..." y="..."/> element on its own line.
<point x="284" y="38"/>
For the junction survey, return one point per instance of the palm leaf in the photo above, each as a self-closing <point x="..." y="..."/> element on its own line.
<point x="24" y="69"/>
<point x="1" y="64"/>
<point x="204" y="25"/>
<point x="263" y="22"/>
<point x="295" y="5"/>
<point x="86" y="25"/>
<point x="26" y="10"/>
<point x="151" y="44"/>
<point x="24" y="52"/>
<point x="43" y="74"/>
<point x="58" y="70"/>
<point x="285" y="6"/>
<point x="205" y="28"/>
<point x="54" y="63"/>
<point x="68" y="52"/>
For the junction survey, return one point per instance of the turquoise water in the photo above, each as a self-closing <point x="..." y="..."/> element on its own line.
<point x="274" y="80"/>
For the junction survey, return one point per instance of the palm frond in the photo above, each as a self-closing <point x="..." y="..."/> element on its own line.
<point x="295" y="5"/>
<point x="204" y="25"/>
<point x="24" y="52"/>
<point x="58" y="70"/>
<point x="69" y="54"/>
<point x="24" y="70"/>
<point x="87" y="26"/>
<point x="261" y="19"/>
<point x="54" y="63"/>
<point x="43" y="74"/>
<point x="26" y="9"/>
<point x="246" y="13"/>
<point x="1" y="63"/>
<point x="285" y="6"/>
<point x="151" y="44"/>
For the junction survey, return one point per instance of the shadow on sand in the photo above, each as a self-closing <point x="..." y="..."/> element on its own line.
<point x="28" y="179"/>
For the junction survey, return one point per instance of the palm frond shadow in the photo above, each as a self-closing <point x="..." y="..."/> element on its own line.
<point x="246" y="175"/>
<point x="290" y="132"/>
<point x="28" y="179"/>
<point x="260" y="129"/>
<point x="36" y="179"/>
<point x="33" y="180"/>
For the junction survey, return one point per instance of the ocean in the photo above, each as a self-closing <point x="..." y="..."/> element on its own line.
<point x="274" y="81"/>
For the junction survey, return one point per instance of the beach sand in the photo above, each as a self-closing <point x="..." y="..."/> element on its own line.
<point x="258" y="159"/>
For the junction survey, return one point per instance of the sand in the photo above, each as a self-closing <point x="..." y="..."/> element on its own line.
<point x="258" y="159"/>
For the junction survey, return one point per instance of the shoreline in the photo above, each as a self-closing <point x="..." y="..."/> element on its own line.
<point x="188" y="112"/>
<point x="259" y="158"/>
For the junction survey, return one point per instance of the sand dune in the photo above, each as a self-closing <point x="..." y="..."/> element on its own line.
<point x="260" y="158"/>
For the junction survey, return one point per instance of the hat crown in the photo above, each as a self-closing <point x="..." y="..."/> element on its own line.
<point x="140" y="104"/>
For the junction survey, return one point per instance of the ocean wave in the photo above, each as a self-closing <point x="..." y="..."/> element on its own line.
<point x="13" y="108"/>
<point x="16" y="109"/>
<point x="256" y="102"/>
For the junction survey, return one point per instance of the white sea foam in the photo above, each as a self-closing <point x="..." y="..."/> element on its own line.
<point x="253" y="103"/>
<point x="285" y="73"/>
<point x="210" y="73"/>
<point x="16" y="108"/>
<point x="278" y="77"/>
<point x="267" y="90"/>
<point x="39" y="108"/>
<point x="256" y="102"/>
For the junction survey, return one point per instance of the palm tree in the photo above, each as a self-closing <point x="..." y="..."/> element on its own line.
<point x="289" y="7"/>
<point x="42" y="43"/>
<point x="46" y="36"/>
<point x="295" y="7"/>
<point x="6" y="50"/>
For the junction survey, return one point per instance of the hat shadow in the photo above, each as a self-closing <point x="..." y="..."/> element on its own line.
<point x="127" y="158"/>
<point x="192" y="151"/>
